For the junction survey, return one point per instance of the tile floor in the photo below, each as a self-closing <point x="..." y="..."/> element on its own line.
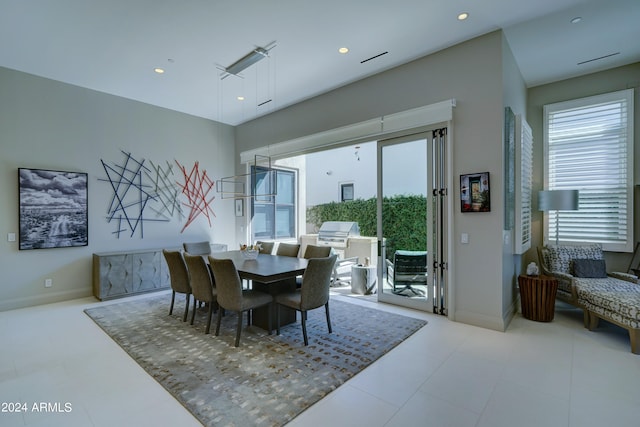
<point x="447" y="374"/>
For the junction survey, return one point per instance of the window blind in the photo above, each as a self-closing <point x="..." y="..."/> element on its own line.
<point x="524" y="174"/>
<point x="589" y="147"/>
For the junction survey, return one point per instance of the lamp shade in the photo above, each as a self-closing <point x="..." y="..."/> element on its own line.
<point x="558" y="200"/>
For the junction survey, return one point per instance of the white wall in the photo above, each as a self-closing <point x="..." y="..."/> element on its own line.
<point x="52" y="125"/>
<point x="471" y="73"/>
<point x="593" y="84"/>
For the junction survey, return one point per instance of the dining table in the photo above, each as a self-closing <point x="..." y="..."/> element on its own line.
<point x="273" y="274"/>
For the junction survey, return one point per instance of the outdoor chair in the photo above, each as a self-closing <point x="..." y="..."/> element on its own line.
<point x="408" y="270"/>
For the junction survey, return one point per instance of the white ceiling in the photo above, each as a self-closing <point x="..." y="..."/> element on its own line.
<point x="113" y="46"/>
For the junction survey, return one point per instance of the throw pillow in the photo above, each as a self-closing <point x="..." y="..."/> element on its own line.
<point x="594" y="268"/>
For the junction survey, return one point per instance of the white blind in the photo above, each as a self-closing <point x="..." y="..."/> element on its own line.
<point x="589" y="147"/>
<point x="524" y="173"/>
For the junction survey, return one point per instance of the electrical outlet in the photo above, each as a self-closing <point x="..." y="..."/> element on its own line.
<point x="464" y="238"/>
<point x="48" y="283"/>
<point x="11" y="237"/>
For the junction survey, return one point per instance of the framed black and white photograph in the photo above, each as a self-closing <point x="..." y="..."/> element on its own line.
<point x="239" y="207"/>
<point x="53" y="209"/>
<point x="475" y="192"/>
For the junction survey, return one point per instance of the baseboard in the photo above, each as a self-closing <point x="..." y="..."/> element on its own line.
<point x="49" y="298"/>
<point x="481" y="320"/>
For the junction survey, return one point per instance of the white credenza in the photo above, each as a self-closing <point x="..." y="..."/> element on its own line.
<point x="120" y="274"/>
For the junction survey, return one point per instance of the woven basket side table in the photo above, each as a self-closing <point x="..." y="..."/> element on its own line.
<point x="538" y="297"/>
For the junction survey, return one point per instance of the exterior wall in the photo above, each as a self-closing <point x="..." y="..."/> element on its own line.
<point x="51" y="125"/>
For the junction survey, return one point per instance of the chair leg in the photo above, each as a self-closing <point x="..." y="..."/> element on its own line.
<point x="173" y="298"/>
<point x="193" y="312"/>
<point x="209" y="316"/>
<point x="220" y="311"/>
<point x="277" y="319"/>
<point x="186" y="308"/>
<point x="326" y="309"/>
<point x="304" y="327"/>
<point x="239" y="329"/>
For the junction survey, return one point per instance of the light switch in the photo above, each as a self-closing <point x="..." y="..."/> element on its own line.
<point x="11" y="237"/>
<point x="464" y="238"/>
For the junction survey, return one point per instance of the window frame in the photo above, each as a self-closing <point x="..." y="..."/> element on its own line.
<point x="344" y="186"/>
<point x="272" y="200"/>
<point x="625" y="236"/>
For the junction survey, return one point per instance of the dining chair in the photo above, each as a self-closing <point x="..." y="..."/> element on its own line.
<point x="314" y="251"/>
<point x="266" y="247"/>
<point x="202" y="286"/>
<point x="197" y="248"/>
<point x="232" y="297"/>
<point x="288" y="249"/>
<point x="179" y="276"/>
<point x="313" y="294"/>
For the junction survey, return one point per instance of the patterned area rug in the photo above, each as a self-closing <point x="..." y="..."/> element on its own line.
<point x="268" y="380"/>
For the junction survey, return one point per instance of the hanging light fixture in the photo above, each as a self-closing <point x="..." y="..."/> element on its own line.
<point x="263" y="182"/>
<point x="246" y="61"/>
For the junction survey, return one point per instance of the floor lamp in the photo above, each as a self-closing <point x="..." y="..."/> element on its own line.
<point x="558" y="200"/>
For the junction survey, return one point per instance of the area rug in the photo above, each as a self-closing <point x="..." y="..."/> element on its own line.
<point x="268" y="380"/>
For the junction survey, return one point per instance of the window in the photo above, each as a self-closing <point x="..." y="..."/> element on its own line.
<point x="346" y="192"/>
<point x="589" y="147"/>
<point x="273" y="216"/>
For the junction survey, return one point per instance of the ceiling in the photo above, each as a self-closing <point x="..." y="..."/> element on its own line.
<point x="113" y="46"/>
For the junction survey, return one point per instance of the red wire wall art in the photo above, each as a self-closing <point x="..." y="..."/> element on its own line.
<point x="196" y="188"/>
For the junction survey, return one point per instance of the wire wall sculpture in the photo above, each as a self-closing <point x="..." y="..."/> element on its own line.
<point x="131" y="195"/>
<point x="167" y="192"/>
<point x="196" y="188"/>
<point x="144" y="192"/>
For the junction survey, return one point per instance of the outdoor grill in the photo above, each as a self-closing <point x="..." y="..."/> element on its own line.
<point x="336" y="233"/>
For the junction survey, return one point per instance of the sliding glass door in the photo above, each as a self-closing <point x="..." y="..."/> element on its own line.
<point x="411" y="221"/>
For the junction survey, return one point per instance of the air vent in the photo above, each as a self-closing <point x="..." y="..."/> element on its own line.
<point x="597" y="59"/>
<point x="264" y="102"/>
<point x="374" y="57"/>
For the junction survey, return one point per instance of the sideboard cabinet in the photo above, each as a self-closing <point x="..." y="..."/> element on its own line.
<point x="120" y="274"/>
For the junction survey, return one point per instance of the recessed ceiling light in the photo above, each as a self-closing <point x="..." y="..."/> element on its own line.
<point x="463" y="16"/>
<point x="343" y="50"/>
<point x="159" y="70"/>
<point x="576" y="20"/>
<point x="240" y="98"/>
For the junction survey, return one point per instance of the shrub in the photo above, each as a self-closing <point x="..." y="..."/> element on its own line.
<point x="404" y="219"/>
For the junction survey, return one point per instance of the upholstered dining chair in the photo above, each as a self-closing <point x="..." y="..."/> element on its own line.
<point x="202" y="286"/>
<point x="179" y="276"/>
<point x="313" y="294"/>
<point x="288" y="249"/>
<point x="314" y="251"/>
<point x="197" y="248"/>
<point x="266" y="247"/>
<point x="232" y="297"/>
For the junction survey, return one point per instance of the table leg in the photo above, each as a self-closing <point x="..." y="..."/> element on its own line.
<point x="261" y="314"/>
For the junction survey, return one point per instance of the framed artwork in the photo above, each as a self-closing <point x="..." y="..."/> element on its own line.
<point x="239" y="207"/>
<point x="475" y="193"/>
<point x="53" y="209"/>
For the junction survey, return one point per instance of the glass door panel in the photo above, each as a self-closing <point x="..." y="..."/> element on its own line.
<point x="404" y="197"/>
